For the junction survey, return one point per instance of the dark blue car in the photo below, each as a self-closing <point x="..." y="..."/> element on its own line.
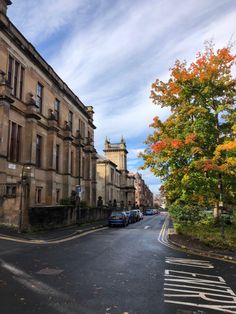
<point x="118" y="219"/>
<point x="131" y="216"/>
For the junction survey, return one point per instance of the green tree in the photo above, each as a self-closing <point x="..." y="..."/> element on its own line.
<point x="197" y="142"/>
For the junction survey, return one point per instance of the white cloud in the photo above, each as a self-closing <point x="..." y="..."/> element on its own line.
<point x="40" y="19"/>
<point x="133" y="153"/>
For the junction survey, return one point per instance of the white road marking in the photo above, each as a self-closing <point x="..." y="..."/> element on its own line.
<point x="200" y="288"/>
<point x="202" y="295"/>
<point x="49" y="271"/>
<point x="221" y="308"/>
<point x="189" y="262"/>
<point x="146" y="227"/>
<point x="169" y="272"/>
<point x="197" y="289"/>
<point x="62" y="302"/>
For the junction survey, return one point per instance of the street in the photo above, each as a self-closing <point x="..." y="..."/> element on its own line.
<point x="113" y="271"/>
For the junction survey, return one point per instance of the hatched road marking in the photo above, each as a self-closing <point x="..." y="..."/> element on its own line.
<point x="198" y="290"/>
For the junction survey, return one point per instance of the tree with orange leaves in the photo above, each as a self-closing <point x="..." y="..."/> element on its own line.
<point x="197" y="142"/>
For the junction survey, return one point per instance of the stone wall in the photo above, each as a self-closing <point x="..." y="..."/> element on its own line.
<point x="50" y="217"/>
<point x="93" y="214"/>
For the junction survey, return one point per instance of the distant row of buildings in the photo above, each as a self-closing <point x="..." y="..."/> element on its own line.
<point x="47" y="137"/>
<point x="115" y="184"/>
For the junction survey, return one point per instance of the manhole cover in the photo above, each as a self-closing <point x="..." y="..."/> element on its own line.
<point x="50" y="271"/>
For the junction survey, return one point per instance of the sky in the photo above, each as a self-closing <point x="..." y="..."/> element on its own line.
<point x="109" y="52"/>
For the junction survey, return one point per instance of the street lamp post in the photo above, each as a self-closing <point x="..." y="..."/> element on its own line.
<point x="23" y="182"/>
<point x="221" y="205"/>
<point x="78" y="187"/>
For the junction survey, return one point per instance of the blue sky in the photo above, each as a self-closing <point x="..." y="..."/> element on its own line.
<point x="110" y="51"/>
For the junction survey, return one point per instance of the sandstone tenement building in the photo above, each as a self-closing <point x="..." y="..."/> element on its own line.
<point x="143" y="195"/>
<point x="46" y="132"/>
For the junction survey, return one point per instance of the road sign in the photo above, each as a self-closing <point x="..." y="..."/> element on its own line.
<point x="78" y="188"/>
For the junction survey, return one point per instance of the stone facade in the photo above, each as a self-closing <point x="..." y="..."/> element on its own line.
<point x="143" y="195"/>
<point x="114" y="182"/>
<point x="108" y="181"/>
<point x="46" y="132"/>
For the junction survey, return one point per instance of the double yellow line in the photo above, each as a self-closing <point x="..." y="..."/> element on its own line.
<point x="163" y="229"/>
<point x="56" y="241"/>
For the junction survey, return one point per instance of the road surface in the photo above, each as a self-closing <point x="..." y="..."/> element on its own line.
<point x="128" y="270"/>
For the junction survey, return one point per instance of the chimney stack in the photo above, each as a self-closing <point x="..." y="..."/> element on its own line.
<point x="3" y="6"/>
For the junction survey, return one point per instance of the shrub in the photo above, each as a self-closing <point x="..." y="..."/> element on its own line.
<point x="208" y="220"/>
<point x="83" y="204"/>
<point x="65" y="201"/>
<point x="186" y="213"/>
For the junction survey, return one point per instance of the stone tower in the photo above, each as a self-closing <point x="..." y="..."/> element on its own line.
<point x="117" y="153"/>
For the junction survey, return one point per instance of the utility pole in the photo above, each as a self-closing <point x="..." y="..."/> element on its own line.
<point x="221" y="205"/>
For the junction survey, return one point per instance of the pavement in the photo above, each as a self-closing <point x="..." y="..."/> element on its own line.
<point x="55" y="235"/>
<point x="229" y="256"/>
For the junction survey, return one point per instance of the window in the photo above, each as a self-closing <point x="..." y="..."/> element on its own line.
<point x="16" y="77"/>
<point x="94" y="169"/>
<point x="11" y="190"/>
<point x="89" y="139"/>
<point x="57" y="157"/>
<point x="39" y="97"/>
<point x="87" y="167"/>
<point x="22" y="75"/>
<point x="38" y="195"/>
<point x="112" y="175"/>
<point x="38" y="150"/>
<point x="57" y="195"/>
<point x="72" y="163"/>
<point x="82" y="174"/>
<point x="82" y="128"/>
<point x="10" y="70"/>
<point x="57" y="109"/>
<point x="14" y="142"/>
<point x="70" y="119"/>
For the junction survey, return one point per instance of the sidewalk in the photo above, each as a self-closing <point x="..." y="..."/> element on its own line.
<point x="51" y="235"/>
<point x="194" y="246"/>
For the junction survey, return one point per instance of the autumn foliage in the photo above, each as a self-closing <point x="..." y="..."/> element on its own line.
<point x="197" y="141"/>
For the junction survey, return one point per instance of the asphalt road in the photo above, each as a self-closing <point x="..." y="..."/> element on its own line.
<point x="113" y="271"/>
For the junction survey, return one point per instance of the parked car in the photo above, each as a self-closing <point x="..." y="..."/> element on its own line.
<point x="131" y="217"/>
<point x="141" y="214"/>
<point x="135" y="212"/>
<point x="118" y="218"/>
<point x="149" y="212"/>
